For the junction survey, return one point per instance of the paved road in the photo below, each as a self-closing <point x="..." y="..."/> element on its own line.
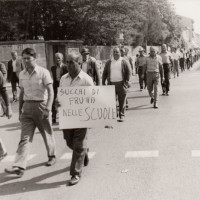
<point x="153" y="155"/>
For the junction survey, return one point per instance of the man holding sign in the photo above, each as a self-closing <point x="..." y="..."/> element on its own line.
<point x="76" y="139"/>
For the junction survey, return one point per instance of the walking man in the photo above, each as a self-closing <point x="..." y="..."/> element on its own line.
<point x="140" y="64"/>
<point x="117" y="72"/>
<point x="14" y="68"/>
<point x="176" y="57"/>
<point x="167" y="62"/>
<point x="182" y="60"/>
<point x="89" y="66"/>
<point x="154" y="71"/>
<point x="5" y="97"/>
<point x="35" y="102"/>
<point x="57" y="72"/>
<point x="76" y="139"/>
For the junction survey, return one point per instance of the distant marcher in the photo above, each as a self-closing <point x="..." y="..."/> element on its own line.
<point x="89" y="66"/>
<point x="167" y="62"/>
<point x="176" y="57"/>
<point x="140" y="64"/>
<point x="35" y="103"/>
<point x="182" y="60"/>
<point x="76" y="139"/>
<point x="57" y="72"/>
<point x="117" y="72"/>
<point x="124" y="55"/>
<point x="15" y="66"/>
<point x="154" y="71"/>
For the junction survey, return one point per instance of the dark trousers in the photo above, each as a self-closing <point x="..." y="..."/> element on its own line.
<point x="166" y="68"/>
<point x="14" y="83"/>
<point x="182" y="64"/>
<point x="54" y="107"/>
<point x="142" y="80"/>
<point x="121" y="93"/>
<point x="76" y="140"/>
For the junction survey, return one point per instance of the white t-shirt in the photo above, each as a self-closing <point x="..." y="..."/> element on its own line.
<point x="175" y="56"/>
<point x="116" y="70"/>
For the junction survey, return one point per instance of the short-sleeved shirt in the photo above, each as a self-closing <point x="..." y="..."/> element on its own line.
<point x="166" y="57"/>
<point x="140" y="61"/>
<point x="35" y="84"/>
<point x="153" y="63"/>
<point x="82" y="79"/>
<point x="175" y="56"/>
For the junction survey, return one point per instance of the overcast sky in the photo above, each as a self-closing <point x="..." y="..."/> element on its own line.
<point x="189" y="8"/>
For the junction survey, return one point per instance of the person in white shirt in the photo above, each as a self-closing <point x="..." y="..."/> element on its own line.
<point x="76" y="139"/>
<point x="176" y="57"/>
<point x="117" y="72"/>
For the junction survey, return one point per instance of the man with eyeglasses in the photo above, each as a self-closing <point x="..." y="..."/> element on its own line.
<point x="35" y="102"/>
<point x="154" y="71"/>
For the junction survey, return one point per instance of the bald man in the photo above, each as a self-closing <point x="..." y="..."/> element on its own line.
<point x="154" y="70"/>
<point x="76" y="138"/>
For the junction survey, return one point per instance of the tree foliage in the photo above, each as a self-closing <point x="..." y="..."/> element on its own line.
<point x="96" y="22"/>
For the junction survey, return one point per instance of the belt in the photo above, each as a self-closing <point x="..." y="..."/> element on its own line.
<point x="34" y="101"/>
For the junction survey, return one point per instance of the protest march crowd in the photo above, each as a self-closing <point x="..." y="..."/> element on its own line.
<point x="39" y="102"/>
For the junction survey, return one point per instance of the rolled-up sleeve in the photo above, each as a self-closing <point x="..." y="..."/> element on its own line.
<point x="47" y="78"/>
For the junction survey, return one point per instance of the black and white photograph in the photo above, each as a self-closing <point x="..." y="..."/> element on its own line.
<point x="99" y="100"/>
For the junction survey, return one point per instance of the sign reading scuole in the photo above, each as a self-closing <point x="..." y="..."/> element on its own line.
<point x="86" y="106"/>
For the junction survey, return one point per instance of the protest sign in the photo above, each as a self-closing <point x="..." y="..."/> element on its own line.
<point x="86" y="106"/>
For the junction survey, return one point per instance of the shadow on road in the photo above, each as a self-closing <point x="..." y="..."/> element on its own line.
<point x="139" y="108"/>
<point x="12" y="127"/>
<point x="32" y="184"/>
<point x="139" y="97"/>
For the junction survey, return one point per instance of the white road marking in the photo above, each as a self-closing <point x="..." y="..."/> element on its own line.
<point x="141" y="154"/>
<point x="11" y="158"/>
<point x="69" y="155"/>
<point x="196" y="153"/>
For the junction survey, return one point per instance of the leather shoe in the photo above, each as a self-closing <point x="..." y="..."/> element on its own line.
<point x="15" y="170"/>
<point x="155" y="106"/>
<point x="3" y="156"/>
<point x="151" y="100"/>
<point x="86" y="159"/>
<point x="51" y="161"/>
<point x="74" y="180"/>
<point x="121" y="119"/>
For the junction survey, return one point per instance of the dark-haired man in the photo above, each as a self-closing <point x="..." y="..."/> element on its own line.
<point x="89" y="66"/>
<point x="35" y="102"/>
